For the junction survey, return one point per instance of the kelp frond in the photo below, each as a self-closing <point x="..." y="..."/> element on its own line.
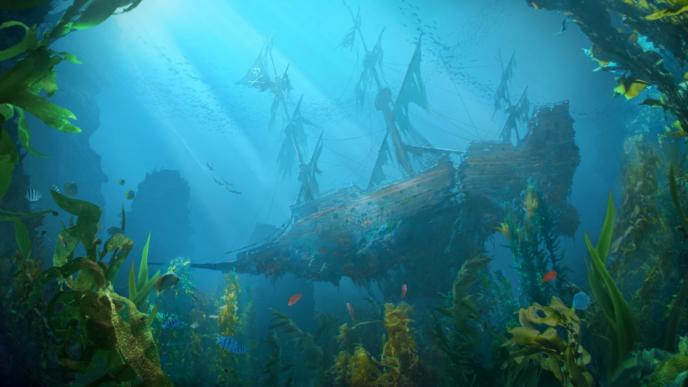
<point x="621" y="324"/>
<point x="538" y="342"/>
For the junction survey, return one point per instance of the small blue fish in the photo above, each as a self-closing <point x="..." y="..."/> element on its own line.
<point x="172" y="322"/>
<point x="581" y="301"/>
<point x="230" y="344"/>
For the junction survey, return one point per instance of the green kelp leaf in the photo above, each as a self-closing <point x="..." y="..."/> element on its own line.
<point x="87" y="14"/>
<point x="51" y="114"/>
<point x="605" y="239"/>
<point x="6" y="111"/>
<point x="97" y="12"/>
<point x="143" y="293"/>
<point x="90" y="274"/>
<point x="67" y="240"/>
<point x="25" y="135"/>
<point x="23" y="238"/>
<point x="607" y="294"/>
<point x="88" y="215"/>
<point x="143" y="265"/>
<point x="29" y="75"/>
<point x="674" y="11"/>
<point x="121" y="246"/>
<point x="9" y="158"/>
<point x="630" y="88"/>
<point x="28" y="40"/>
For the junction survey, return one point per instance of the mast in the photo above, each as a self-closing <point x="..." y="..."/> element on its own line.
<point x="397" y="120"/>
<point x="258" y="77"/>
<point x="516" y="112"/>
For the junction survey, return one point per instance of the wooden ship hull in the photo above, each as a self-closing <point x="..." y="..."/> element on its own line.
<point x="429" y="221"/>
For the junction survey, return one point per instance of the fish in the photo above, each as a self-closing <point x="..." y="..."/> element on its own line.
<point x="33" y="195"/>
<point x="581" y="301"/>
<point x="404" y="289"/>
<point x="166" y="281"/>
<point x="195" y="325"/>
<point x="563" y="26"/>
<point x="350" y="309"/>
<point x="549" y="276"/>
<point x="294" y="299"/>
<point x="55" y="188"/>
<point x="129" y="195"/>
<point x="71" y="188"/>
<point x="121" y="182"/>
<point x="172" y="322"/>
<point x="213" y="316"/>
<point x="230" y="344"/>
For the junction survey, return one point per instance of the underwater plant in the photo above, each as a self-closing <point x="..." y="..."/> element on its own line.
<point x="620" y="319"/>
<point x="399" y="357"/>
<point x="640" y="52"/>
<point x="655" y="367"/>
<point x="461" y="343"/>
<point x="104" y="337"/>
<point x="304" y="347"/>
<point x="548" y="338"/>
<point x="531" y="232"/>
<point x="228" y="320"/>
<point x="141" y="286"/>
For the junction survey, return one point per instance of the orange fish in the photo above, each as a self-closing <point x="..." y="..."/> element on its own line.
<point x="350" y="309"/>
<point x="294" y="299"/>
<point x="404" y="289"/>
<point x="549" y="276"/>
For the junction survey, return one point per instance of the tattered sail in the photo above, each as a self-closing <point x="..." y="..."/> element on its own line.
<point x="281" y="87"/>
<point x="517" y="113"/>
<point x="294" y="140"/>
<point x="412" y="91"/>
<point x="502" y="95"/>
<point x="308" y="175"/>
<point x="383" y="157"/>
<point x="372" y="64"/>
<point x="258" y="76"/>
<point x="349" y="39"/>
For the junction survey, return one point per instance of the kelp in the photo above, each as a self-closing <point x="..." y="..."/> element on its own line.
<point x="86" y="313"/>
<point x="399" y="358"/>
<point x="464" y="326"/>
<point x="619" y="317"/>
<point x="531" y="231"/>
<point x="655" y="368"/>
<point x="274" y="367"/>
<point x="228" y="322"/>
<point x="307" y="350"/>
<point x="141" y="286"/>
<point x="640" y="51"/>
<point x="30" y="77"/>
<point x="362" y="370"/>
<point x="548" y="338"/>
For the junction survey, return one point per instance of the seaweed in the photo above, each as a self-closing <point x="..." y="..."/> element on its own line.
<point x="399" y="358"/>
<point x="229" y="325"/>
<point x="85" y="314"/>
<point x="141" y="286"/>
<point x="531" y="231"/>
<point x="461" y="343"/>
<point x="548" y="338"/>
<point x="620" y="320"/>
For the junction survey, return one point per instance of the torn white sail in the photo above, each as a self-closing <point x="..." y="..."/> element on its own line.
<point x="308" y="173"/>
